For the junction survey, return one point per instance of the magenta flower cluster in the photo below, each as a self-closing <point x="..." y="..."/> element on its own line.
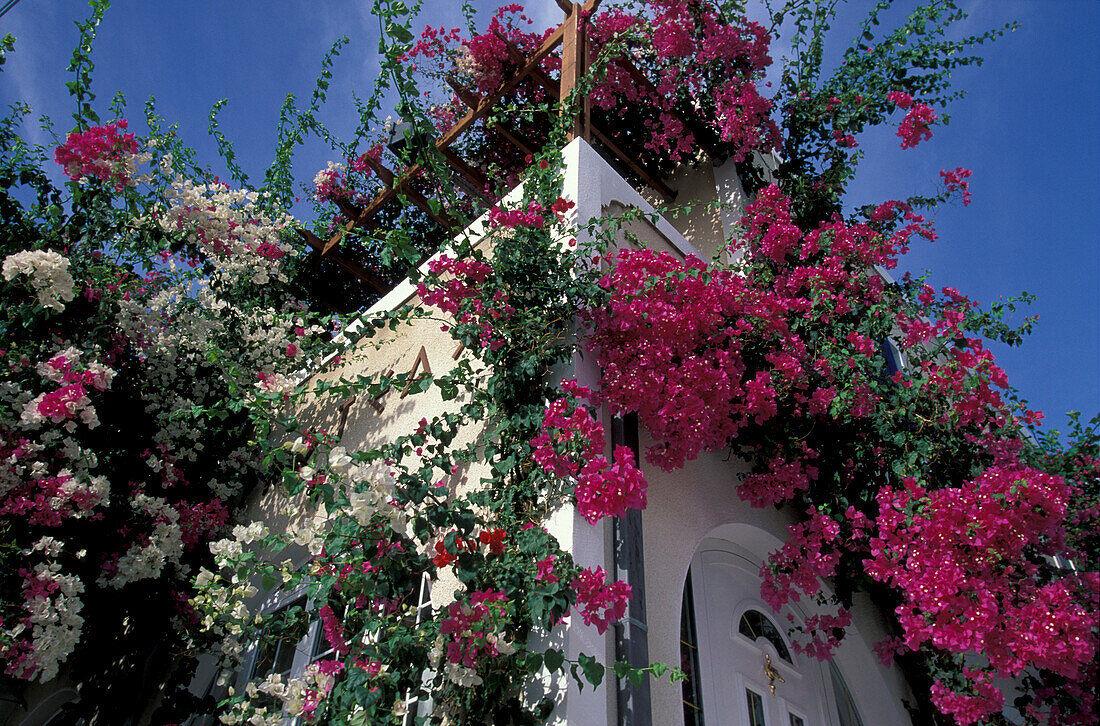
<point x="914" y="127"/>
<point x="958" y="180"/>
<point x="101" y="152"/>
<point x="691" y="56"/>
<point x="460" y="293"/>
<point x="600" y="603"/>
<point x="961" y="557"/>
<point x="696" y="52"/>
<point x="571" y="443"/>
<point x="471" y="628"/>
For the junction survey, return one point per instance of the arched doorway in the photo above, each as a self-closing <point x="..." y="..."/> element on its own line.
<point x="746" y="672"/>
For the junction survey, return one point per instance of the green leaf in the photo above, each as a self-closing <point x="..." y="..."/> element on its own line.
<point x="553" y="659"/>
<point x="398" y="32"/>
<point x="447" y="389"/>
<point x="593" y="669"/>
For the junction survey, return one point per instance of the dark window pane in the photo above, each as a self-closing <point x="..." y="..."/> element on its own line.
<point x="755" y="625"/>
<point x="756" y="708"/>
<point x="689" y="659"/>
<point x="284" y="657"/>
<point x="265" y="658"/>
<point x="276" y="648"/>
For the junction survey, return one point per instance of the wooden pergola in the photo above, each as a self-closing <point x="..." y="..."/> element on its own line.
<point x="571" y="36"/>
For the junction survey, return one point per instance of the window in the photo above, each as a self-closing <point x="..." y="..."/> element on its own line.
<point x="754" y="625"/>
<point x="845" y="704"/>
<point x="689" y="659"/>
<point x="756" y="708"/>
<point x="277" y="647"/>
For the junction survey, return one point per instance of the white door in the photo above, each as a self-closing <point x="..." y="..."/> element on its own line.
<point x="744" y="651"/>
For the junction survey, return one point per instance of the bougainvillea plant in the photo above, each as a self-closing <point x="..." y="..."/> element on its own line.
<point x="897" y="463"/>
<point x="152" y="303"/>
<point x="145" y="306"/>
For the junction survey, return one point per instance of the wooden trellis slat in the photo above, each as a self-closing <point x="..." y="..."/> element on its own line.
<point x="635" y="166"/>
<point x="466" y="95"/>
<point x="414" y="196"/>
<point x="639" y="168"/>
<point x="573" y="66"/>
<point x="572" y="36"/>
<point x="515" y="139"/>
<point x="552" y="41"/>
<point x="476" y="178"/>
<point x="539" y="75"/>
<point x="366" y="276"/>
<point x="380" y="170"/>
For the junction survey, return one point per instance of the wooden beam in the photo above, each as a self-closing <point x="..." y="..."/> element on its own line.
<point x="384" y="174"/>
<point x="345" y="409"/>
<point x="566" y="6"/>
<point x="311" y="239"/>
<point x="476" y="178"/>
<point x="466" y="95"/>
<point x="515" y="140"/>
<point x="421" y="361"/>
<point x="536" y="73"/>
<point x="546" y="82"/>
<point x="552" y="41"/>
<point x="635" y="166"/>
<point x="360" y="272"/>
<point x="441" y="218"/>
<point x="348" y="209"/>
<point x="572" y="63"/>
<point x="387" y="177"/>
<point x="586" y="102"/>
<point x="351" y="211"/>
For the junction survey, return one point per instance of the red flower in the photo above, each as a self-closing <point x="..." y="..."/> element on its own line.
<point x="494" y="538"/>
<point x="444" y="557"/>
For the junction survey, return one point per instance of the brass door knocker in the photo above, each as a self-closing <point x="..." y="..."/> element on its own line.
<point x="771" y="673"/>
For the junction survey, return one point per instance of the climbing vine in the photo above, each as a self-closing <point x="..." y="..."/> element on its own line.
<point x="147" y="303"/>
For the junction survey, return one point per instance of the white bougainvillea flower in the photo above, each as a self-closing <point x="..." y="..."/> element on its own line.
<point x="47" y="275"/>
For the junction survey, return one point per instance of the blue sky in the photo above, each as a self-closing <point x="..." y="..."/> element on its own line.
<point x="1027" y="129"/>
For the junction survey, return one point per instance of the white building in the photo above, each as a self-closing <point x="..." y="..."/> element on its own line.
<point x="692" y="557"/>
